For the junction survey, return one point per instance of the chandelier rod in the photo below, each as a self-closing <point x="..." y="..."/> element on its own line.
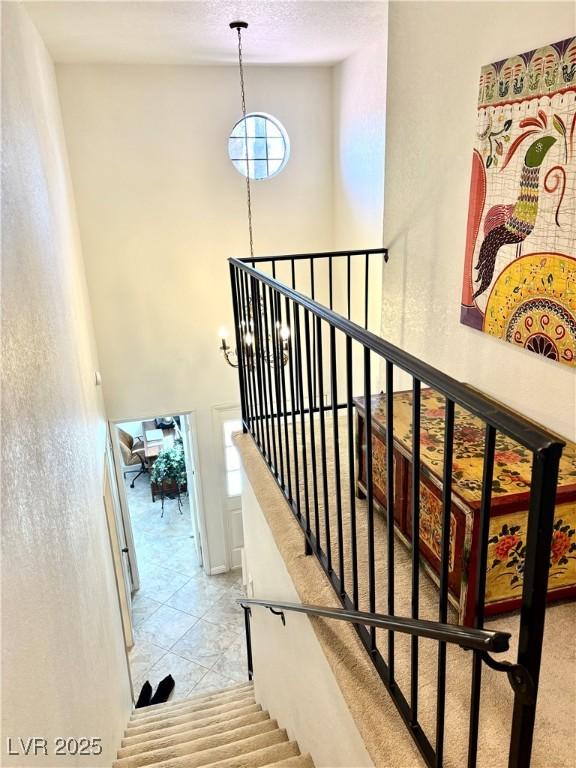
<point x="239" y="26"/>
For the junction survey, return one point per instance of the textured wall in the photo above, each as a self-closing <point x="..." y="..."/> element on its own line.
<point x="359" y="144"/>
<point x="359" y="109"/>
<point x="63" y="659"/>
<point x="161" y="208"/>
<point x="435" y="55"/>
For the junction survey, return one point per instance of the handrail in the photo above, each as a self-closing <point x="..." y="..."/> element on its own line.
<point x="465" y="637"/>
<point x="308" y="256"/>
<point x="533" y="437"/>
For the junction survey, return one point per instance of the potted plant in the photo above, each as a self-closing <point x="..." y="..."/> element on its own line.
<point x="168" y="474"/>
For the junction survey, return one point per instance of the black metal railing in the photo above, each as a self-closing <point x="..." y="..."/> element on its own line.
<point x="321" y="275"/>
<point x="300" y="365"/>
<point x="466" y="637"/>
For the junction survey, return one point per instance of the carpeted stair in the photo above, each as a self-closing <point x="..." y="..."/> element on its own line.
<point x="224" y="729"/>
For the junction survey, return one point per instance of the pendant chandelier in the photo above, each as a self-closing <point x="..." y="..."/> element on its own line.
<point x="247" y="333"/>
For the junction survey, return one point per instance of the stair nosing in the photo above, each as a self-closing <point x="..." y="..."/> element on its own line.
<point x="133" y="759"/>
<point x="129" y="733"/>
<point x="171" y="763"/>
<point x="149" y="710"/>
<point x="145" y="721"/>
<point x="261" y="716"/>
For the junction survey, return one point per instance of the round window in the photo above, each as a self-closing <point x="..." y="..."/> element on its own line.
<point x="258" y="146"/>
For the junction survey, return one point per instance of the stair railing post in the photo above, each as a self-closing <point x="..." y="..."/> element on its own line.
<point x="534" y="593"/>
<point x="240" y="356"/>
<point x="247" y="614"/>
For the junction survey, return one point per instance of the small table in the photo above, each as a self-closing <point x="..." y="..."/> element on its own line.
<point x="510" y="499"/>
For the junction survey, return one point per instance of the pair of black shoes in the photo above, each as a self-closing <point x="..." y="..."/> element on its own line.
<point x="165" y="688"/>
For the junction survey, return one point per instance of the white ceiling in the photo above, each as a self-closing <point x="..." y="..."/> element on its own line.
<point x="197" y="31"/>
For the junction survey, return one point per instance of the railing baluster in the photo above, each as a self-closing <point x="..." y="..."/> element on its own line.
<point x="249" y="328"/>
<point x="369" y="492"/>
<point x="366" y="275"/>
<point x="534" y="593"/>
<point x="348" y="285"/>
<point x="444" y="572"/>
<point x="261" y="356"/>
<point x="242" y="330"/>
<point x="282" y="373"/>
<point x="257" y="344"/>
<point x="351" y="469"/>
<point x="415" y="546"/>
<point x="295" y="462"/>
<point x="309" y="366"/>
<point x="390" y="505"/>
<point x="268" y="368"/>
<point x="248" y="641"/>
<point x="330" y="281"/>
<point x="299" y="368"/>
<point x="320" y="364"/>
<point x="336" y="439"/>
<point x="314" y="401"/>
<point x="276" y="365"/>
<point x="240" y="358"/>
<point x="484" y="532"/>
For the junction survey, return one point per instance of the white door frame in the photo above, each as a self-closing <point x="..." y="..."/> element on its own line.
<point x="118" y="464"/>
<point x="198" y="524"/>
<point x="192" y="475"/>
<point x="221" y="413"/>
<point x="117" y="543"/>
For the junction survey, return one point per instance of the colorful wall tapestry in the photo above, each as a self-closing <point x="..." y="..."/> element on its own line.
<point x="520" y="262"/>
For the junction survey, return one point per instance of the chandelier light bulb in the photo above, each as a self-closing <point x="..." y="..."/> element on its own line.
<point x="284" y="333"/>
<point x="223" y="332"/>
<point x="248" y="338"/>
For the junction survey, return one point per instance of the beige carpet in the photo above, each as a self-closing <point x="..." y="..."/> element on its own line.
<point x="225" y="729"/>
<point x="384" y="733"/>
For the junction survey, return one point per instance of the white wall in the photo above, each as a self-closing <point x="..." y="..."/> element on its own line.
<point x="436" y="50"/>
<point x="161" y="208"/>
<point x="292" y="677"/>
<point x="63" y="659"/>
<point x="359" y="116"/>
<point x="359" y="144"/>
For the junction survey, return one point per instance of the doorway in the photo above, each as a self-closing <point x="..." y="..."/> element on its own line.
<point x="157" y="479"/>
<point x="186" y="623"/>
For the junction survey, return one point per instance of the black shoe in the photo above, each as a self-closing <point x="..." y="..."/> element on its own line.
<point x="145" y="696"/>
<point x="165" y="688"/>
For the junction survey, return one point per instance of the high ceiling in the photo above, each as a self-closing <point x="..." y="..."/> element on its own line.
<point x="197" y="32"/>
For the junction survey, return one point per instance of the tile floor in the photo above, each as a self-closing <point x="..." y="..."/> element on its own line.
<point x="186" y="624"/>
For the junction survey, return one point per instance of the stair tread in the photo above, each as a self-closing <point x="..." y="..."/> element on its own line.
<point x="199" y="697"/>
<point x="183" y="717"/>
<point x="230" y="736"/>
<point x="260" y="757"/>
<point x="236" y="750"/>
<point x="191" y="734"/>
<point x="197" y="721"/>
<point x="191" y="706"/>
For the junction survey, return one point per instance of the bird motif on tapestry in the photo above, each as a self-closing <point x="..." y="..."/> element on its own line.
<point x="508" y="224"/>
